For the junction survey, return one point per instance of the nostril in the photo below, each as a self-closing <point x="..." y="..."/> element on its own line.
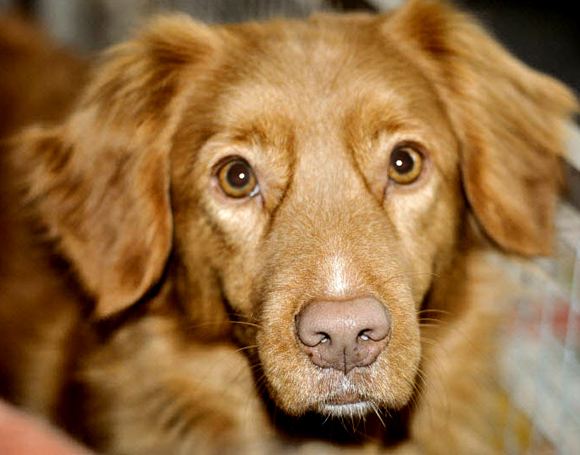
<point x="343" y="334"/>
<point x="374" y="334"/>
<point x="307" y="335"/>
<point x="319" y="338"/>
<point x="365" y="336"/>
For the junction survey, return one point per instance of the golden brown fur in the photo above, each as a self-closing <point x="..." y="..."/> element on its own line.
<point x="147" y="312"/>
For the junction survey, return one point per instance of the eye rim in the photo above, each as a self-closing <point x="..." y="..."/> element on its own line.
<point x="221" y="169"/>
<point x="417" y="155"/>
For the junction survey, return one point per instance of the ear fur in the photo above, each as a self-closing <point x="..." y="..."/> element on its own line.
<point x="100" y="181"/>
<point x="509" y="118"/>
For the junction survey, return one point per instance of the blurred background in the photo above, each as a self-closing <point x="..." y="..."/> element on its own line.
<point x="546" y="34"/>
<point x="540" y="356"/>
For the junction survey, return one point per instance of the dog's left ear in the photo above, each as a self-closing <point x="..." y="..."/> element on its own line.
<point x="100" y="181"/>
<point x="509" y="118"/>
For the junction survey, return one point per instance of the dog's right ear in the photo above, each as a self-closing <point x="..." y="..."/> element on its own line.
<point x="508" y="118"/>
<point x="100" y="181"/>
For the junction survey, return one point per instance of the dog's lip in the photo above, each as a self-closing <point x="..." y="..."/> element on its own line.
<point x="344" y="399"/>
<point x="345" y="409"/>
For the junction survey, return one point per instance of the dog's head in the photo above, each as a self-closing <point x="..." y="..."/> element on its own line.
<point x="312" y="178"/>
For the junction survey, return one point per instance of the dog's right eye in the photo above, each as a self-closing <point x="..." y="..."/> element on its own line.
<point x="405" y="165"/>
<point x="236" y="179"/>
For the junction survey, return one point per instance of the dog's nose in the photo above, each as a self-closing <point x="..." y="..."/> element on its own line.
<point x="343" y="334"/>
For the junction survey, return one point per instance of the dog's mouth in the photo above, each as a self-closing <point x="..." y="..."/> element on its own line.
<point x="345" y="398"/>
<point x="345" y="404"/>
<point x="318" y="363"/>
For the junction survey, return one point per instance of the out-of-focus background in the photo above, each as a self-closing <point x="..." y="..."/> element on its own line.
<point x="546" y="34"/>
<point x="540" y="356"/>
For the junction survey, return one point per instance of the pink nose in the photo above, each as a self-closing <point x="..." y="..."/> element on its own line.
<point x="343" y="334"/>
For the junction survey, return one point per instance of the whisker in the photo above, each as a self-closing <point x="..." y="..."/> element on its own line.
<point x="429" y="325"/>
<point x="248" y="323"/>
<point x="429" y="322"/>
<point x="435" y="311"/>
<point x="246" y="348"/>
<point x="377" y="412"/>
<point x="430" y="342"/>
<point x="418" y="397"/>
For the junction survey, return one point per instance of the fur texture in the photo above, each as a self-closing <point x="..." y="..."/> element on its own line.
<point x="148" y="312"/>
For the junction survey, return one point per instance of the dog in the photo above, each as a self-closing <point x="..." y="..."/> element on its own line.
<point x="272" y="237"/>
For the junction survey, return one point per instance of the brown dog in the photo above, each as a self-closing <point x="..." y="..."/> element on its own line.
<point x="249" y="236"/>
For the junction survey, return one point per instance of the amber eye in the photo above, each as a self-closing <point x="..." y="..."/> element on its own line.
<point x="236" y="178"/>
<point x="405" y="165"/>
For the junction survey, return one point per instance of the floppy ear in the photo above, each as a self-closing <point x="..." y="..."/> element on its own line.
<point x="508" y="117"/>
<point x="100" y="181"/>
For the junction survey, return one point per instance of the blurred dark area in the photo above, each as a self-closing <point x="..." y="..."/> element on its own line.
<point x="545" y="34"/>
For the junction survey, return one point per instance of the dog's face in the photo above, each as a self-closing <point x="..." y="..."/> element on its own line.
<point x="308" y="177"/>
<point x="325" y="176"/>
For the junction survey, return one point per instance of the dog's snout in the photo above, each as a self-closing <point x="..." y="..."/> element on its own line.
<point x="343" y="334"/>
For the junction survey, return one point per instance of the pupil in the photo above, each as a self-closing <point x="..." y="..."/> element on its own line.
<point x="238" y="175"/>
<point x="402" y="161"/>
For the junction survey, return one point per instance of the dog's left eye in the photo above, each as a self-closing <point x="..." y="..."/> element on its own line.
<point x="405" y="165"/>
<point x="236" y="178"/>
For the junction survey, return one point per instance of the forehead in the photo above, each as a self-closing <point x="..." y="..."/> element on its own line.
<point x="334" y="79"/>
<point x="331" y="68"/>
